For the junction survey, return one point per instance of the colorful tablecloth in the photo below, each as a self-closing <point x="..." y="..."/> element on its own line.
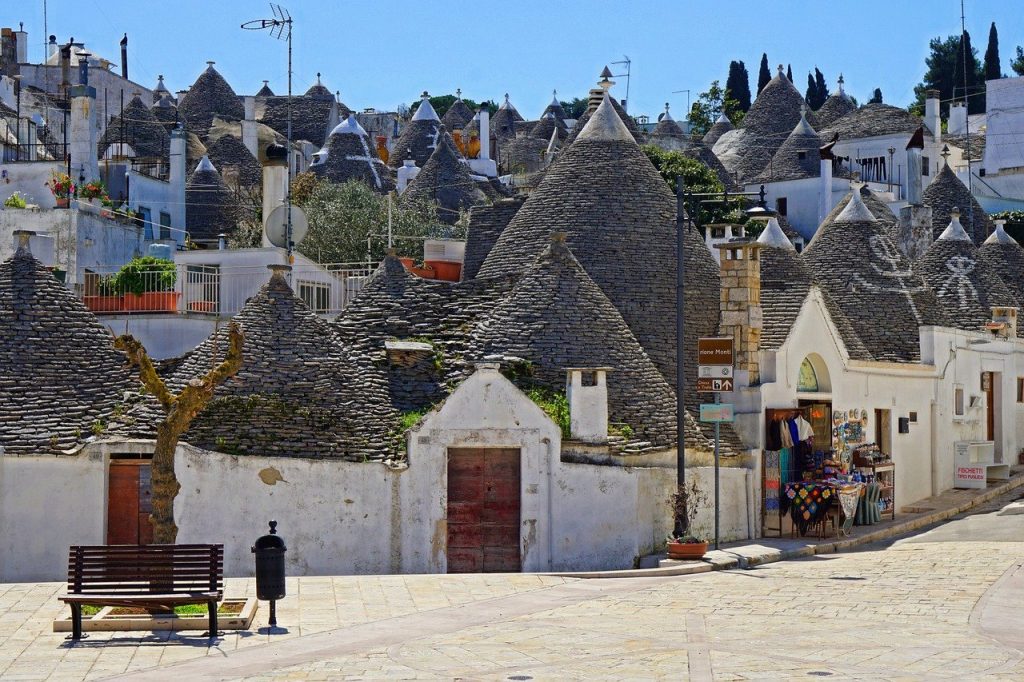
<point x="807" y="502"/>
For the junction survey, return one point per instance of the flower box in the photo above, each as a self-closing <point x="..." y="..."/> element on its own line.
<point x="103" y="304"/>
<point x="152" y="301"/>
<point x="202" y="306"/>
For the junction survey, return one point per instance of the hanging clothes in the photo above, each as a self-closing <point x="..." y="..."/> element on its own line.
<point x="804" y="429"/>
<point x="785" y="435"/>
<point x="773" y="442"/>
<point x="794" y="431"/>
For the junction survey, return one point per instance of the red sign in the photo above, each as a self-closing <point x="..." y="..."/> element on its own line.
<point x="714" y="351"/>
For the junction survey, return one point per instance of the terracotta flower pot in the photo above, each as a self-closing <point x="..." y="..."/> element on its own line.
<point x="687" y="550"/>
<point x="63" y="202"/>
<point x="407" y="262"/>
<point x="103" y="304"/>
<point x="447" y="270"/>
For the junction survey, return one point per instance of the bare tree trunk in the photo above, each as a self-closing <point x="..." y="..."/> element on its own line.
<point x="180" y="410"/>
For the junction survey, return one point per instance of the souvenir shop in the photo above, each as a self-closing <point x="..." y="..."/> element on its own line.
<point x="822" y="474"/>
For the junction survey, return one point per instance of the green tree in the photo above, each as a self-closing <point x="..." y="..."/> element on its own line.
<point x="348" y="223"/>
<point x="442" y="103"/>
<point x="941" y="63"/>
<point x="1018" y="63"/>
<point x="789" y="72"/>
<point x="992" y="68"/>
<point x="822" y="87"/>
<point x="709" y="105"/>
<point x="697" y="178"/>
<point x="764" y="74"/>
<point x="738" y="84"/>
<point x="968" y="77"/>
<point x="811" y="95"/>
<point x="876" y="97"/>
<point x="576" y="107"/>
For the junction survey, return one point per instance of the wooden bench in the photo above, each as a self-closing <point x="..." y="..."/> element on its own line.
<point x="154" y="577"/>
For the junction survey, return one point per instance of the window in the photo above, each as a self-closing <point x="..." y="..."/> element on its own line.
<point x="958" y="401"/>
<point x="316" y="295"/>
<point x="718" y="233"/>
<point x="781" y="205"/>
<point x="144" y="215"/>
<point x="165" y="225"/>
<point x="1020" y="389"/>
<point x="807" y="381"/>
<point x="924" y="165"/>
<point x="801" y="155"/>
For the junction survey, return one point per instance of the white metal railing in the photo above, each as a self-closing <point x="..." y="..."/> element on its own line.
<point x="212" y="289"/>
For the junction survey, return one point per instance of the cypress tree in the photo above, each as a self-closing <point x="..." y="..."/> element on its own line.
<point x="966" y="75"/>
<point x="819" y="82"/>
<point x="789" y="72"/>
<point x="992" y="70"/>
<point x="764" y="75"/>
<point x="876" y="97"/>
<point x="737" y="85"/>
<point x="811" y="96"/>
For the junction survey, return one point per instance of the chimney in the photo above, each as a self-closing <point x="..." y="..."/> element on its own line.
<point x="932" y="114"/>
<point x="1004" y="322"/>
<point x="825" y="181"/>
<point x="586" y="390"/>
<point x="957" y="124"/>
<point x="250" y="138"/>
<point x="21" y="44"/>
<point x="740" y="263"/>
<point x="124" y="57"/>
<point x="51" y="47"/>
<point x="23" y="239"/>
<point x="275" y="183"/>
<point x="65" y="65"/>
<point x="406" y="173"/>
<point x="914" y="232"/>
<point x="177" y="179"/>
<point x="82" y="133"/>
<point x="485" y="133"/>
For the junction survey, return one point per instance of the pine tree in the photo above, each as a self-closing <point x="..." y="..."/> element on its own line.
<point x="764" y="75"/>
<point x="737" y="86"/>
<point x="876" y="97"/>
<point x="789" y="72"/>
<point x="819" y="81"/>
<point x="992" y="69"/>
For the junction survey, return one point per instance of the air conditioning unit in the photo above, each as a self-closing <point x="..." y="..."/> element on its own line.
<point x="451" y="250"/>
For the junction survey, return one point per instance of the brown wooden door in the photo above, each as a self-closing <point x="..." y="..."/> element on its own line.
<point x="990" y="406"/>
<point x="483" y="510"/>
<point x="129" y="503"/>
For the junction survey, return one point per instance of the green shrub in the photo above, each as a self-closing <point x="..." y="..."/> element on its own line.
<point x="146" y="273"/>
<point x="16" y="200"/>
<point x="554" y="404"/>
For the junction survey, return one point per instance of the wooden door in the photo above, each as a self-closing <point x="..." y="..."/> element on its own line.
<point x="883" y="431"/>
<point x="990" y="405"/>
<point x="129" y="503"/>
<point x="483" y="510"/>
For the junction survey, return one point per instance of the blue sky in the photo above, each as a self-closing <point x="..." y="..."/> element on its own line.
<point x="380" y="54"/>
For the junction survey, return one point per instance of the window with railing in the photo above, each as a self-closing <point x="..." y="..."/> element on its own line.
<point x="317" y="295"/>
<point x="202" y="288"/>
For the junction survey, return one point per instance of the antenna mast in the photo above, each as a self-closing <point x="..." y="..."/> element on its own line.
<point x="967" y="113"/>
<point x="628" y="62"/>
<point x="281" y="29"/>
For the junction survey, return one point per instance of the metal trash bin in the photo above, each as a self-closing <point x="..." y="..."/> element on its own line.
<point x="270" y="575"/>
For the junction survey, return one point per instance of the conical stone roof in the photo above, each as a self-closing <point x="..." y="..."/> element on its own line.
<point x="311" y="115"/>
<point x="350" y="156"/>
<point x="445" y="180"/>
<point x="265" y="91"/>
<point x="696" y="149"/>
<point x="457" y="116"/>
<point x="947" y="192"/>
<point x="419" y="137"/>
<point x="208" y="97"/>
<point x="526" y="153"/>
<point x="166" y="112"/>
<point x="557" y="317"/>
<point x="59" y="371"/>
<point x="627" y="120"/>
<point x="619" y="216"/>
<point x="879" y="209"/>
<point x="232" y="158"/>
<point x="785" y="284"/>
<point x="835" y="107"/>
<point x="555" y="109"/>
<point x="138" y="128"/>
<point x="876" y="300"/>
<point x="965" y="284"/>
<point x="503" y="123"/>
<point x="872" y="120"/>
<point x="667" y="126"/>
<point x="1005" y="257"/>
<point x="720" y="127"/>
<point x="319" y="90"/>
<point x="798" y="158"/>
<point x="210" y="206"/>
<point x="297" y="394"/>
<point x="486" y="223"/>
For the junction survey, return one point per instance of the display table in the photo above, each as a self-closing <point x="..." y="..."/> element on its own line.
<point x="808" y="502"/>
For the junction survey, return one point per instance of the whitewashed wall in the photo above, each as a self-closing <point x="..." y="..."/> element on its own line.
<point x="29" y="178"/>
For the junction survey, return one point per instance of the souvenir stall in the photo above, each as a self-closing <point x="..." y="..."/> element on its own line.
<point x="819" y="475"/>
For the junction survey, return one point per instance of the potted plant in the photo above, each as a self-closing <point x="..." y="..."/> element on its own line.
<point x="686" y="541"/>
<point x="16" y="200"/>
<point x="91" y="191"/>
<point x="148" y="284"/>
<point x="62" y="187"/>
<point x="107" y="298"/>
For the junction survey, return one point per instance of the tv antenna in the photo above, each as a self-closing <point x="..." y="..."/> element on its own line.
<point x="629" y="63"/>
<point x="281" y="29"/>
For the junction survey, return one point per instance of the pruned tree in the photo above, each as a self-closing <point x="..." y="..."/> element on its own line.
<point x="764" y="75"/>
<point x="179" y="411"/>
<point x="789" y="72"/>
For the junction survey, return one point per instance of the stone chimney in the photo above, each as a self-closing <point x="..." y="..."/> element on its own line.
<point x="249" y="136"/>
<point x="82" y="132"/>
<point x="914" y="231"/>
<point x="275" y="183"/>
<point x="124" y="57"/>
<point x="1005" y="318"/>
<point x="177" y="179"/>
<point x="740" y="263"/>
<point x="51" y="47"/>
<point x="932" y="114"/>
<point x="586" y="389"/>
<point x="21" y="44"/>
<point x="825" y="180"/>
<point x="957" y="124"/>
<point x="485" y="133"/>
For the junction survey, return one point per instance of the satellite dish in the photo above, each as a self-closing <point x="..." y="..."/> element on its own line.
<point x="276" y="226"/>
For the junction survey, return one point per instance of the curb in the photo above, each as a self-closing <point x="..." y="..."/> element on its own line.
<point x="748" y="556"/>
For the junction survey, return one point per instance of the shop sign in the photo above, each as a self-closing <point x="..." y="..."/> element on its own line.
<point x="720" y="412"/>
<point x="715" y="351"/>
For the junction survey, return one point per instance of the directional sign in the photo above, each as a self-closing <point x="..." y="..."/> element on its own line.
<point x="715" y="371"/>
<point x="707" y="385"/>
<point x="722" y="412"/>
<point x="715" y="351"/>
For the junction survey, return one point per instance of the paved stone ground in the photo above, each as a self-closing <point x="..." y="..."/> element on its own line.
<point x="944" y="604"/>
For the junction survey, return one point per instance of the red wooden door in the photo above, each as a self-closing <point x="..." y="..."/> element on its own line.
<point x="129" y="503"/>
<point x="483" y="510"/>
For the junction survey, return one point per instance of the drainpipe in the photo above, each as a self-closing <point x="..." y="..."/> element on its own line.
<point x="936" y="485"/>
<point x="551" y="514"/>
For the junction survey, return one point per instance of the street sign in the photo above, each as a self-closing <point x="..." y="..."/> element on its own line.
<point x="715" y="351"/>
<point x="714" y="371"/>
<point x="708" y="385"/>
<point x="716" y="413"/>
